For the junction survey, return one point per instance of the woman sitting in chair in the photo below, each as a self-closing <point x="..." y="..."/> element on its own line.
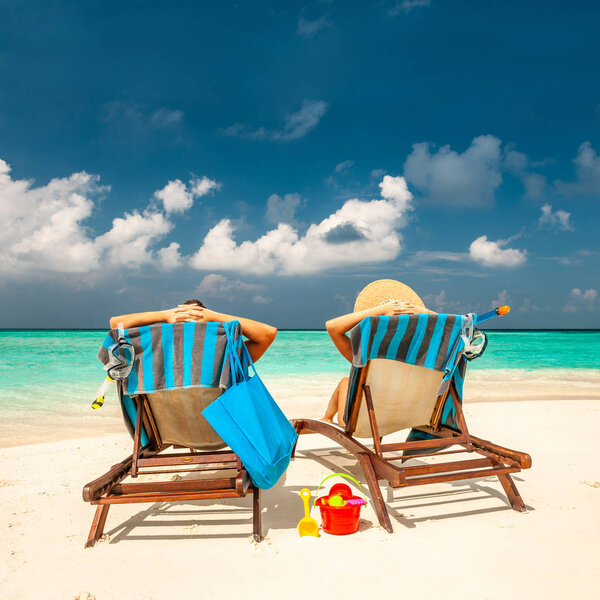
<point x="260" y="335"/>
<point x="384" y="297"/>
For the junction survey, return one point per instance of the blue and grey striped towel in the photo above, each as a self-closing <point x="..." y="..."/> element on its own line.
<point x="175" y="356"/>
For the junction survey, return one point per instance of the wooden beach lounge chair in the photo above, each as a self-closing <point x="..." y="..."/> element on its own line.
<point x="407" y="372"/>
<point x="178" y="370"/>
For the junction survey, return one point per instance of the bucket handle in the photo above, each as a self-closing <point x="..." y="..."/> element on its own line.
<point x="339" y="475"/>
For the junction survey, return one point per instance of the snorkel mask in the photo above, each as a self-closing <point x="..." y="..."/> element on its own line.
<point x="121" y="358"/>
<point x="476" y="346"/>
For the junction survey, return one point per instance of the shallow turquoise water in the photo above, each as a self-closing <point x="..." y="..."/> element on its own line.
<point x="38" y="366"/>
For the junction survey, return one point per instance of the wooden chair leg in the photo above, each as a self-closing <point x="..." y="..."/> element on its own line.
<point x="510" y="489"/>
<point x="297" y="426"/>
<point x="256" y="515"/>
<point x="376" y="496"/>
<point x="97" y="528"/>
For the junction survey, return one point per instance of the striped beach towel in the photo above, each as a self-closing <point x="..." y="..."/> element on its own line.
<point x="173" y="356"/>
<point x="431" y="341"/>
<point x="176" y="356"/>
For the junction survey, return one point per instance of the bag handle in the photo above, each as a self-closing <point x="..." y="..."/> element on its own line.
<point x="234" y="359"/>
<point x="246" y="353"/>
<point x="233" y="352"/>
<point x="339" y="475"/>
<point x="234" y="362"/>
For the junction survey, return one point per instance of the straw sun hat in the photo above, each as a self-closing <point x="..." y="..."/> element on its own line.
<point x="386" y="289"/>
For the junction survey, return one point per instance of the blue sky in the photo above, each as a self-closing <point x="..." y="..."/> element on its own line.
<point x="273" y="158"/>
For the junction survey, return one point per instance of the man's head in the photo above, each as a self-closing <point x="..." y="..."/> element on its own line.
<point x="197" y="302"/>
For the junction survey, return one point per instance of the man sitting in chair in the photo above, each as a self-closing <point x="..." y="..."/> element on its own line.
<point x="260" y="335"/>
<point x="385" y="297"/>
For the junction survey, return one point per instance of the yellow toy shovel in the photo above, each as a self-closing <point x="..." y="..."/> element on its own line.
<point x="307" y="526"/>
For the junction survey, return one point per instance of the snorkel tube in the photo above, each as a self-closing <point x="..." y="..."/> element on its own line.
<point x="497" y="312"/>
<point x="121" y="358"/>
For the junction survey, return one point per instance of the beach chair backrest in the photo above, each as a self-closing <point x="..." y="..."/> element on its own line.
<point x="403" y="396"/>
<point x="180" y="369"/>
<point x="179" y="420"/>
<point x="407" y="363"/>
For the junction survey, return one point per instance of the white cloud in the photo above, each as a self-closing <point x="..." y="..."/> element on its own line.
<point x="43" y="229"/>
<point x="169" y="257"/>
<point x="588" y="295"/>
<point x="440" y="303"/>
<point x="308" y="29"/>
<point x="535" y="185"/>
<point x="575" y="259"/>
<point x="344" y="302"/>
<point x="493" y="254"/>
<point x="519" y="165"/>
<point x="427" y="256"/>
<point x="558" y="219"/>
<point x="131" y="114"/>
<point x="396" y="190"/>
<point x="201" y="186"/>
<point x="177" y="197"/>
<point x="129" y="242"/>
<point x="514" y="161"/>
<point x="467" y="179"/>
<point x="579" y="300"/>
<point x="424" y="262"/>
<point x="164" y="118"/>
<point x="406" y="6"/>
<point x="215" y="285"/>
<point x="587" y="168"/>
<point x="282" y="210"/>
<point x="528" y="306"/>
<point x="587" y="163"/>
<point x="586" y="180"/>
<point x="340" y="177"/>
<point x="435" y="301"/>
<point x="296" y="125"/>
<point x="343" y="166"/>
<point x="501" y="299"/>
<point x="360" y="232"/>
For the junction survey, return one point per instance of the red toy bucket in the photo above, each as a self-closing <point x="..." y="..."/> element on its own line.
<point x="340" y="520"/>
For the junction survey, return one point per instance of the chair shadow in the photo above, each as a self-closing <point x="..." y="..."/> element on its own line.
<point x="272" y="514"/>
<point x="195" y="513"/>
<point x="276" y="501"/>
<point x="465" y="487"/>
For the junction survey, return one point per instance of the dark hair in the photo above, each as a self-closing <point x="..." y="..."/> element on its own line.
<point x="200" y="304"/>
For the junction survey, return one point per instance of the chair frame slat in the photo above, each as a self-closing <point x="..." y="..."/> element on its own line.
<point x="109" y="488"/>
<point x="497" y="461"/>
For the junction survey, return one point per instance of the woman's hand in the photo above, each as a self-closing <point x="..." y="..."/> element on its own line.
<point x="394" y="307"/>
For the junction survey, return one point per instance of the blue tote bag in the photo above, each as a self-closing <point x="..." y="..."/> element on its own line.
<point x="250" y="422"/>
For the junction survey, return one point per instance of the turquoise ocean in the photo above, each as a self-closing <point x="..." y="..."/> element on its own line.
<point x="48" y="378"/>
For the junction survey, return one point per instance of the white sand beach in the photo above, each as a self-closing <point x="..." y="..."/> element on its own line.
<point x="461" y="540"/>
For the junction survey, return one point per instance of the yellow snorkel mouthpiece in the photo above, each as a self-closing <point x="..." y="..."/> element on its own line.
<point x="99" y="401"/>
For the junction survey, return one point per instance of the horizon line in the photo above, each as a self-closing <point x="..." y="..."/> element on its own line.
<point x="581" y="329"/>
